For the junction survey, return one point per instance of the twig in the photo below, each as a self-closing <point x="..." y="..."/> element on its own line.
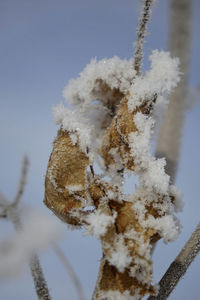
<point x="22" y="181"/>
<point x="39" y="279"/>
<point x="70" y="271"/>
<point x="9" y="211"/>
<point x="179" y="266"/>
<point x="169" y="139"/>
<point x="144" y="18"/>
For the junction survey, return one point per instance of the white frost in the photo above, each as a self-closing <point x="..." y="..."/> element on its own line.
<point x="98" y="223"/>
<point x="160" y="79"/>
<point x="116" y="73"/>
<point x="154" y="177"/>
<point x="120" y="256"/>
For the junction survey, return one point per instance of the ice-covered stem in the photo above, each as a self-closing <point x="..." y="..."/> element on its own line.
<point x="39" y="279"/>
<point x="71" y="272"/>
<point x="142" y="28"/>
<point x="179" y="266"/>
<point x="169" y="140"/>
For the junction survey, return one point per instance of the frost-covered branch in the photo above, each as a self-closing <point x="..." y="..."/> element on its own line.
<point x="169" y="142"/>
<point x="127" y="226"/>
<point x="39" y="279"/>
<point x="115" y="107"/>
<point x="16" y="256"/>
<point x="23" y="245"/>
<point x="70" y="271"/>
<point x="170" y="135"/>
<point x="179" y="266"/>
<point x="141" y="33"/>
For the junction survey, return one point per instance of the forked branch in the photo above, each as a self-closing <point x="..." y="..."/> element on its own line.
<point x="9" y="211"/>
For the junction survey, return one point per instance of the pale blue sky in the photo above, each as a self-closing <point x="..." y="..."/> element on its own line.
<point x="44" y="44"/>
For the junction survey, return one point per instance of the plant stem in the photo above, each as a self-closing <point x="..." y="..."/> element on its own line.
<point x="141" y="33"/>
<point x="179" y="266"/>
<point x="39" y="279"/>
<point x="169" y="139"/>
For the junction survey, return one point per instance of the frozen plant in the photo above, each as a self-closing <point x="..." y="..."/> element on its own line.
<point x="110" y="125"/>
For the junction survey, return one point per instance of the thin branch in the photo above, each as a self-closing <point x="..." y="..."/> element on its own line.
<point x="170" y="135"/>
<point x="9" y="211"/>
<point x="169" y="140"/>
<point x="39" y="279"/>
<point x="35" y="267"/>
<point x="70" y="271"/>
<point x="179" y="266"/>
<point x="22" y="182"/>
<point x="141" y="33"/>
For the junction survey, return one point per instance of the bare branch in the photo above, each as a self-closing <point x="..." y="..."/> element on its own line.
<point x="22" y="181"/>
<point x="9" y="211"/>
<point x="35" y="267"/>
<point x="169" y="140"/>
<point x="39" y="279"/>
<point x="70" y="271"/>
<point x="141" y="33"/>
<point x="179" y="266"/>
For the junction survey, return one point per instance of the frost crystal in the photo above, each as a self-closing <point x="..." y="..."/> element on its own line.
<point x="120" y="256"/>
<point x="98" y="223"/>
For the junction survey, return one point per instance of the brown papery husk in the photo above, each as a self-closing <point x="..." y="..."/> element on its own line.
<point x="67" y="167"/>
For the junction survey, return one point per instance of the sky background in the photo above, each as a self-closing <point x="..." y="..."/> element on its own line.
<point x="44" y="43"/>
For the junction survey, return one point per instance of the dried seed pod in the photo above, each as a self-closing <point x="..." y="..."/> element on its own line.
<point x="115" y="142"/>
<point x="109" y="98"/>
<point x="65" y="181"/>
<point x="136" y="277"/>
<point x="137" y="274"/>
<point x="110" y="279"/>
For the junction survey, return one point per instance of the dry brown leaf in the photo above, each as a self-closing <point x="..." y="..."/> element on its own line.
<point x="66" y="169"/>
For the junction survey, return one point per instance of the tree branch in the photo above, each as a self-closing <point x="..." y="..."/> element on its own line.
<point x="179" y="266"/>
<point x="170" y="135"/>
<point x="9" y="211"/>
<point x="39" y="279"/>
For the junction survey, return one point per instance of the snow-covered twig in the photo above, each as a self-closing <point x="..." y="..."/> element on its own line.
<point x="179" y="266"/>
<point x="144" y="18"/>
<point x="70" y="271"/>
